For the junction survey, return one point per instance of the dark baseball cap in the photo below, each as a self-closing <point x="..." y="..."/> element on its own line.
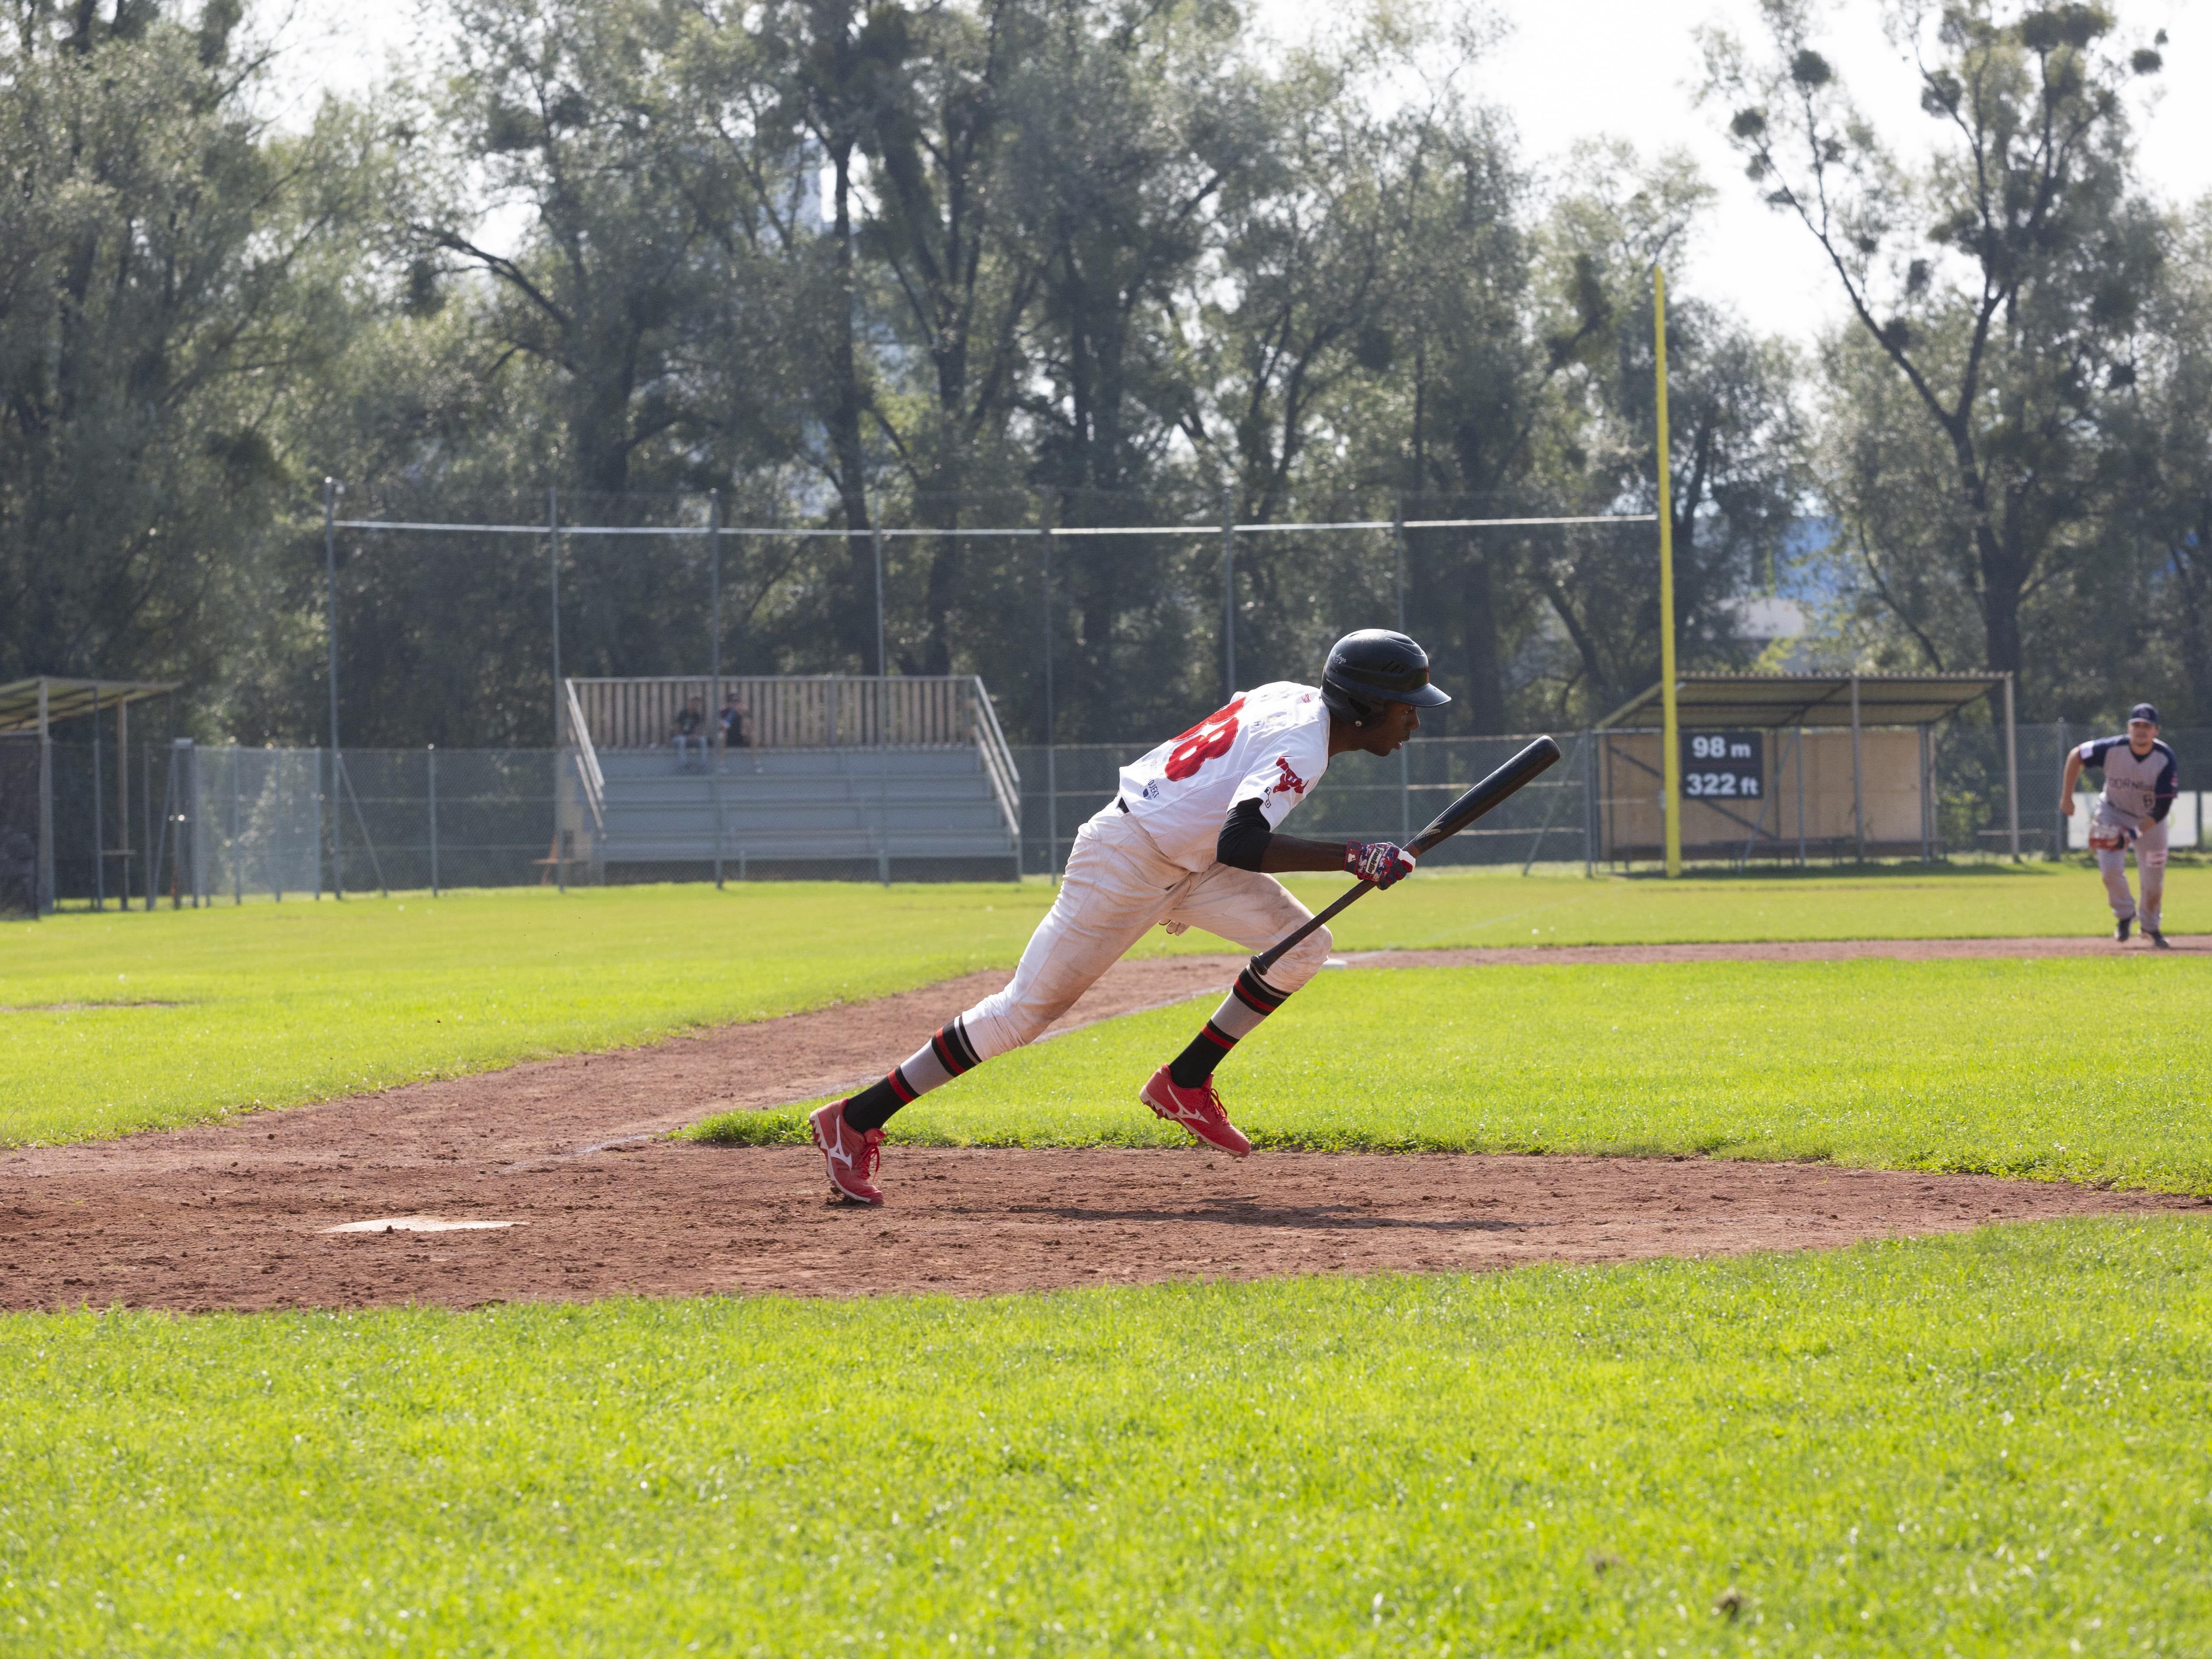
<point x="2144" y="711"/>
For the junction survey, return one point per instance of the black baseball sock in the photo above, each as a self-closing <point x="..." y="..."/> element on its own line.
<point x="1250" y="1001"/>
<point x="939" y="1061"/>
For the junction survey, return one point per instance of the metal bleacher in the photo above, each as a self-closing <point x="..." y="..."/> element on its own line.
<point x="907" y="778"/>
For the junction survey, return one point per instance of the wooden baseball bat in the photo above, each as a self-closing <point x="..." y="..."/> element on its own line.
<point x="1504" y="781"/>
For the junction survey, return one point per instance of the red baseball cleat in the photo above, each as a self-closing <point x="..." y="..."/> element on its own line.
<point x="853" y="1156"/>
<point x="1198" y="1110"/>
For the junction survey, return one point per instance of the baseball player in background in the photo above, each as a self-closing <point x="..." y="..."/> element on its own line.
<point x="1192" y="841"/>
<point x="2140" y="781"/>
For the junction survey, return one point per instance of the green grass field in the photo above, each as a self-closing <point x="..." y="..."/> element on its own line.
<point x="1986" y="1444"/>
<point x="1957" y="1066"/>
<point x="275" y="1005"/>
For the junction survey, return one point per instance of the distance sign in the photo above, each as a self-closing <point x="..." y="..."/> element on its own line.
<point x="1723" y="765"/>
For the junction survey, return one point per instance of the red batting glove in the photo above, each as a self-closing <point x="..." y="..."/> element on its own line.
<point x="1382" y="862"/>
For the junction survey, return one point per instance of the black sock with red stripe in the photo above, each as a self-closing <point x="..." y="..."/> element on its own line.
<point x="939" y="1061"/>
<point x="1250" y="1001"/>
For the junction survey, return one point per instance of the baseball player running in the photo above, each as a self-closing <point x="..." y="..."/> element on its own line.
<point x="1192" y="841"/>
<point x="2140" y="781"/>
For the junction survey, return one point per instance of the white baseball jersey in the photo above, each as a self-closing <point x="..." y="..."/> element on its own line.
<point x="2138" y="787"/>
<point x="1270" y="744"/>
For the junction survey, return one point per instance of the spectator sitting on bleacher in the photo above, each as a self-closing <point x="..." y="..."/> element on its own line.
<point x="691" y="732"/>
<point x="734" y="733"/>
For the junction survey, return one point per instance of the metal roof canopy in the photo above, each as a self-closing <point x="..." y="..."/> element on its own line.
<point x="67" y="699"/>
<point x="1771" y="700"/>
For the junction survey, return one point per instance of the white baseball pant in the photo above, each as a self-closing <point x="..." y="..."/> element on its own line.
<point x="1116" y="886"/>
<point x="2150" y="865"/>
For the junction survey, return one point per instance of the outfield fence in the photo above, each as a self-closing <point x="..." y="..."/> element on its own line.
<point x="206" y="824"/>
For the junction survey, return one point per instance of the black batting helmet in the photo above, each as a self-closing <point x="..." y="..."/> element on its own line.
<point x="1374" y="666"/>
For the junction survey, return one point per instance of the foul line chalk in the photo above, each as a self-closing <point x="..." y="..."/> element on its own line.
<point x="416" y="1224"/>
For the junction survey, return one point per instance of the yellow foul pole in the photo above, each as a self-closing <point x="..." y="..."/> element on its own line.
<point x="1670" y="736"/>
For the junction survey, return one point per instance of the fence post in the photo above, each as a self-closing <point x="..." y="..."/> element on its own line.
<point x="1228" y="596"/>
<point x="193" y="806"/>
<point x="1859" y="792"/>
<point x="158" y="839"/>
<point x="1926" y="785"/>
<point x="1405" y="764"/>
<point x="123" y="796"/>
<point x="331" y="631"/>
<point x="1051" y="729"/>
<point x="876" y="535"/>
<point x="560" y="710"/>
<point x="44" y="896"/>
<point x="432" y="763"/>
<point x="237" y="830"/>
<point x="1800" y="797"/>
<point x="718" y="743"/>
<point x="1589" y="806"/>
<point x="2012" y="771"/>
<point x="319" y="825"/>
<point x="146" y="814"/>
<point x="98" y="830"/>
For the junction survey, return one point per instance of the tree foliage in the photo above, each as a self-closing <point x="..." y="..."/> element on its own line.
<point x="835" y="265"/>
<point x="1998" y="293"/>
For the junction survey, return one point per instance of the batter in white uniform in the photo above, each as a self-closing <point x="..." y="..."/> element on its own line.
<point x="2140" y="782"/>
<point x="1192" y="841"/>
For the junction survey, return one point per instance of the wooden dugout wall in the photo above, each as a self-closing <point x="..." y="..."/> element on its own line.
<point x="1893" y="790"/>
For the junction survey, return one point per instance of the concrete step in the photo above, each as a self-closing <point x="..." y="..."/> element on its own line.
<point x="799" y="822"/>
<point x="685" y="850"/>
<point x="802" y="804"/>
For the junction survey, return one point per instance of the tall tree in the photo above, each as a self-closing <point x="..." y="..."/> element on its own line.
<point x="545" y="103"/>
<point x="963" y="283"/>
<point x="1133" y="116"/>
<point x="1737" y="449"/>
<point x="2001" y="282"/>
<point x="162" y="281"/>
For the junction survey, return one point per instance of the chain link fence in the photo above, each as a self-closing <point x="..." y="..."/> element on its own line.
<point x="189" y="825"/>
<point x="1364" y="796"/>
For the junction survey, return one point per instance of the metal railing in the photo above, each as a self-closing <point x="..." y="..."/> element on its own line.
<point x="998" y="759"/>
<point x="587" y="761"/>
<point x="810" y="711"/>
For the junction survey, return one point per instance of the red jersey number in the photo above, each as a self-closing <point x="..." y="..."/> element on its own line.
<point x="1207" y="740"/>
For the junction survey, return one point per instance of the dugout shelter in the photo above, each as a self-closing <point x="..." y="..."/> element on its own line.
<point x="30" y="709"/>
<point x="1791" y="766"/>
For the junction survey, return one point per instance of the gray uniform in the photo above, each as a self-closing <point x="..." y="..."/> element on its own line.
<point x="2139" y="791"/>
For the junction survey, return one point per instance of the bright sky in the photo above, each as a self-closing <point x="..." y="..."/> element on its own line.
<point x="1568" y="69"/>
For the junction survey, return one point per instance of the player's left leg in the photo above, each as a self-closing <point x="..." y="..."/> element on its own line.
<point x="2107" y="840"/>
<point x="1114" y="887"/>
<point x="2150" y="872"/>
<point x="1254" y="911"/>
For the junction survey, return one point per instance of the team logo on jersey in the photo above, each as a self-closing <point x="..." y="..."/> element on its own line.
<point x="1290" y="782"/>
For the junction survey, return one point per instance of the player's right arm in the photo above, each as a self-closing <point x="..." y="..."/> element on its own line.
<point x="2073" y="776"/>
<point x="1247" y="844"/>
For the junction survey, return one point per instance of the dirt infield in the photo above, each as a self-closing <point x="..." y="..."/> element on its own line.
<point x="236" y="1216"/>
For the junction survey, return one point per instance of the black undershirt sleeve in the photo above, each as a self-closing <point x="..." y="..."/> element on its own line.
<point x="2168" y="779"/>
<point x="1244" y="836"/>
